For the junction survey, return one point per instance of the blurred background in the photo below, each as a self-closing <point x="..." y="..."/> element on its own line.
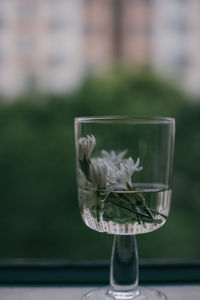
<point x="60" y="59"/>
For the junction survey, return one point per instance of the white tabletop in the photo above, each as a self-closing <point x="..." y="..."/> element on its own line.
<point x="190" y="292"/>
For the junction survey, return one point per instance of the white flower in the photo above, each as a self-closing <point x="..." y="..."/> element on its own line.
<point x="99" y="172"/>
<point x="124" y="174"/>
<point x="86" y="146"/>
<point x="113" y="157"/>
<point x="108" y="172"/>
<point x="106" y="176"/>
<point x="128" y="169"/>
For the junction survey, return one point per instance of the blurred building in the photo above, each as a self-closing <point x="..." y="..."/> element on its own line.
<point x="117" y="31"/>
<point x="40" y="45"/>
<point x="176" y="41"/>
<point x="98" y="34"/>
<point x="51" y="44"/>
<point x="164" y="34"/>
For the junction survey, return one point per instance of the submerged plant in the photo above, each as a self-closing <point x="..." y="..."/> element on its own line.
<point x="109" y="176"/>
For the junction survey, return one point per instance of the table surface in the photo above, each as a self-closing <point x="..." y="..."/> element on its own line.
<point x="178" y="292"/>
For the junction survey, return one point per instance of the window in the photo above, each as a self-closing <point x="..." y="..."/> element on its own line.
<point x="182" y="2"/>
<point x="25" y="45"/>
<point x="57" y="24"/>
<point x="178" y="24"/>
<point x="26" y="8"/>
<point x="57" y="60"/>
<point x="180" y="62"/>
<point x="39" y="211"/>
<point x="1" y="58"/>
<point x="2" y="23"/>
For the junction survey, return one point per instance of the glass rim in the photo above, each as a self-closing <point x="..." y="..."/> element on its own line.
<point x="131" y="119"/>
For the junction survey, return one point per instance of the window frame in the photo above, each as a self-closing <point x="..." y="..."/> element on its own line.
<point x="94" y="273"/>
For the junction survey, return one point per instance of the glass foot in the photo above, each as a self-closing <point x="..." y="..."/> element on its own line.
<point x="140" y="294"/>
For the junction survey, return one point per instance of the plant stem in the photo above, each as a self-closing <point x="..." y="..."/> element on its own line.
<point x="130" y="209"/>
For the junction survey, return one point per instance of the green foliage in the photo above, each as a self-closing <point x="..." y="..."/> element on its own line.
<point x="39" y="209"/>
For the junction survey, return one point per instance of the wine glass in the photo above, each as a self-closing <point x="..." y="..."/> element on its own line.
<point x="124" y="174"/>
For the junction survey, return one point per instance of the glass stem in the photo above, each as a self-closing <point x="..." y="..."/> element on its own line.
<point x="124" y="268"/>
